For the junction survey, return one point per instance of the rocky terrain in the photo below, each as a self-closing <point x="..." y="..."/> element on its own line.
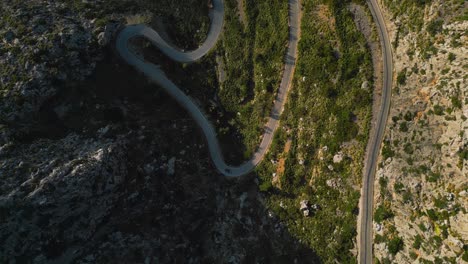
<point x="99" y="166"/>
<point x="41" y="47"/>
<point x="421" y="183"/>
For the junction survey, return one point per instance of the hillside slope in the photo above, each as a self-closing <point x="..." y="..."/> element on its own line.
<point x="421" y="183"/>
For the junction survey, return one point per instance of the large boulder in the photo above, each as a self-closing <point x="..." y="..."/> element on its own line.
<point x="105" y="37"/>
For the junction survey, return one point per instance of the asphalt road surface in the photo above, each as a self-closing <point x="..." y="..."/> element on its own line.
<point x="157" y="75"/>
<point x="367" y="193"/>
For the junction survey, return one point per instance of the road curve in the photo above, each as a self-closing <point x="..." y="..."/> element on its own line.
<point x="367" y="193"/>
<point x="155" y="74"/>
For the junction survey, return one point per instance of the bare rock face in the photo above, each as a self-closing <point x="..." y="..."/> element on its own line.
<point x="72" y="183"/>
<point x="62" y="50"/>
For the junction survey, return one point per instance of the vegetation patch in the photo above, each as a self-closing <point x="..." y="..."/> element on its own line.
<point x="382" y="213"/>
<point x="326" y="120"/>
<point x="395" y="245"/>
<point x="254" y="59"/>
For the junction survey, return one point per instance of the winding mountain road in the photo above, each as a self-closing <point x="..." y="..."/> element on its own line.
<point x="367" y="193"/>
<point x="157" y="75"/>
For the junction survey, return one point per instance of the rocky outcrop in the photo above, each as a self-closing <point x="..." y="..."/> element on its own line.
<point x="43" y="44"/>
<point x="71" y="182"/>
<point x="105" y="37"/>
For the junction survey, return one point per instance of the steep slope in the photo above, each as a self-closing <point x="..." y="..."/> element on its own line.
<point x="98" y="165"/>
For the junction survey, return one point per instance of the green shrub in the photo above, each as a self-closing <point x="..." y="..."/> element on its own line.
<point x="463" y="154"/>
<point x="383" y="182"/>
<point x="438" y="110"/>
<point x="382" y="213"/>
<point x="451" y="57"/>
<point x="408" y="116"/>
<point x="465" y="255"/>
<point x="398" y="186"/>
<point x="408" y="148"/>
<point x="432" y="214"/>
<point x="433" y="176"/>
<point x="266" y="186"/>
<point x="434" y="27"/>
<point x="387" y="151"/>
<point x="379" y="239"/>
<point x="421" y="2"/>
<point x="403" y="126"/>
<point x="456" y="102"/>
<point x="422" y="227"/>
<point x="440" y="203"/>
<point x="437" y="241"/>
<point x="386" y="261"/>
<point x="407" y="197"/>
<point x="417" y="241"/>
<point x="401" y="78"/>
<point x="395" y="245"/>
